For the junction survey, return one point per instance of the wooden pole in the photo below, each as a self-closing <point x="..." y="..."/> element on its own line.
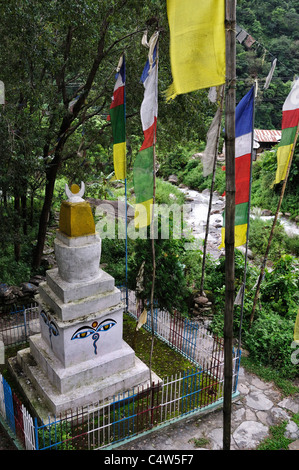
<point x="261" y="276"/>
<point x="154" y="271"/>
<point x="153" y="238"/>
<point x="211" y="195"/>
<point x="230" y="104"/>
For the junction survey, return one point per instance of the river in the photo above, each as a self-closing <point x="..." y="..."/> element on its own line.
<point x="197" y="218"/>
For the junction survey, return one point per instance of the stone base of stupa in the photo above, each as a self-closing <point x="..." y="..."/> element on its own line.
<point x="60" y="370"/>
<point x="80" y="386"/>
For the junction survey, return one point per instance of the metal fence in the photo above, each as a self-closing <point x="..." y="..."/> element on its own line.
<point x="104" y="425"/>
<point x="101" y="426"/>
<point x="188" y="337"/>
<point x="18" y="325"/>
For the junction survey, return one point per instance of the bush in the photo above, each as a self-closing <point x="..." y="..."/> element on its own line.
<point x="281" y="287"/>
<point x="269" y="342"/>
<point x="266" y="195"/>
<point x="13" y="272"/>
<point x="175" y="161"/>
<point x="166" y="193"/>
<point x="192" y="176"/>
<point x="259" y="231"/>
<point x="169" y="271"/>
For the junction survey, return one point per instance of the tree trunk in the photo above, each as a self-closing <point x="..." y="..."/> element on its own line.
<point x="24" y="211"/>
<point x="45" y="213"/>
<point x="17" y="246"/>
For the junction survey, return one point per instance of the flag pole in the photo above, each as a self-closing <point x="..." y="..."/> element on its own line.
<point x="152" y="237"/>
<point x="126" y="223"/>
<point x="261" y="276"/>
<point x="126" y="204"/>
<point x="230" y="100"/>
<point x="211" y="195"/>
<point x="248" y="224"/>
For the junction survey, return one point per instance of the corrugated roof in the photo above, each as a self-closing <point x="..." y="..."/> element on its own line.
<point x="267" y="135"/>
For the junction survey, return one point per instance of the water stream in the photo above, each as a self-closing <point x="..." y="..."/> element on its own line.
<point x="197" y="218"/>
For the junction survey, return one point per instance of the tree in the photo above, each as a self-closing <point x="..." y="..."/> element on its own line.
<point x="59" y="80"/>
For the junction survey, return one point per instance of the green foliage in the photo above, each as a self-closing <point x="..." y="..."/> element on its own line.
<point x="192" y="176"/>
<point x="165" y="360"/>
<point x="269" y="342"/>
<point x="175" y="161"/>
<point x="59" y="437"/>
<point x="277" y="439"/>
<point x="281" y="287"/>
<point x="270" y="337"/>
<point x="169" y="271"/>
<point x="13" y="272"/>
<point x="266" y="195"/>
<point x="166" y="193"/>
<point x="273" y="26"/>
<point x="281" y="244"/>
<point x="113" y="257"/>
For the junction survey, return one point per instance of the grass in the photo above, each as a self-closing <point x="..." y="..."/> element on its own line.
<point x="276" y="440"/>
<point x="165" y="361"/>
<point x="201" y="442"/>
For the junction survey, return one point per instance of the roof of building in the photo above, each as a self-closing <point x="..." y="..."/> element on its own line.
<point x="262" y="135"/>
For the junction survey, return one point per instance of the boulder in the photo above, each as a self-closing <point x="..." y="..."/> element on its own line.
<point x="249" y="434"/>
<point x="294" y="445"/>
<point x="37" y="279"/>
<point x="266" y="212"/>
<point x="173" y="179"/>
<point x="201" y="300"/>
<point x="5" y="291"/>
<point x="29" y="288"/>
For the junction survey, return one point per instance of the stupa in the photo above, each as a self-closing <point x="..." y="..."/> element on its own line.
<point x="80" y="356"/>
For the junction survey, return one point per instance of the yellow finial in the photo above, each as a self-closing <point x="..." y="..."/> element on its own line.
<point x="75" y="188"/>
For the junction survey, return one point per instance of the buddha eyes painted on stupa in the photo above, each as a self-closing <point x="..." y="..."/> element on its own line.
<point x="94" y="330"/>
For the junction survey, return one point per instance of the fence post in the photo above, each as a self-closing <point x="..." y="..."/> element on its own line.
<point x="25" y="322"/>
<point x="8" y="400"/>
<point x="36" y="433"/>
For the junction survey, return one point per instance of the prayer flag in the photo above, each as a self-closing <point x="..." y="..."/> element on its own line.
<point x="212" y="139"/>
<point x="270" y="75"/>
<point x="290" y="120"/>
<point x="243" y="160"/>
<point x="197" y="44"/>
<point x="143" y="170"/>
<point x="118" y="121"/>
<point x="210" y="152"/>
<point x="141" y="320"/>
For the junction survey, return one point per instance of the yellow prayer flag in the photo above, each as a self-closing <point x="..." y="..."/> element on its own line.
<point x="119" y="160"/>
<point x="197" y="44"/>
<point x="240" y="235"/>
<point x="143" y="213"/>
<point x="283" y="159"/>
